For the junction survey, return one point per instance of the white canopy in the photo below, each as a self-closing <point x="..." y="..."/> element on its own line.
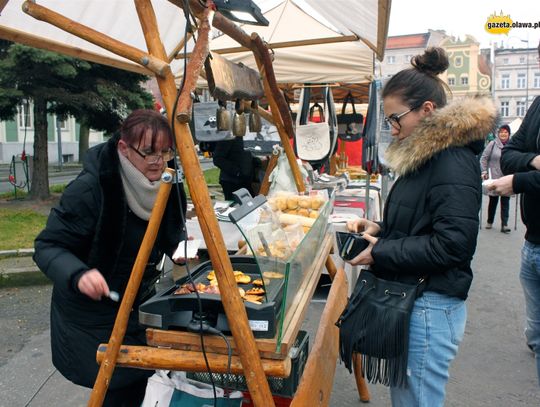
<point x="291" y="22"/>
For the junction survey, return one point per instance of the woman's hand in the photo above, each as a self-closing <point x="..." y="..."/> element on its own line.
<point x="93" y="284"/>
<point x="365" y="258"/>
<point x="363" y="225"/>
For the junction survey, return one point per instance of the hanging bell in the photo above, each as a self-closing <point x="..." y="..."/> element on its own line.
<point x="255" y="123"/>
<point x="239" y="121"/>
<point x="223" y="117"/>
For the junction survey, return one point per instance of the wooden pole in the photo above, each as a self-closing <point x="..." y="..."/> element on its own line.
<point x="271" y="94"/>
<point x="361" y="386"/>
<point x="195" y="66"/>
<point x="31" y="40"/>
<point x="232" y="303"/>
<point x="159" y="67"/>
<point x="265" y="184"/>
<point x="315" y="387"/>
<point x="120" y="325"/>
<point x="146" y="357"/>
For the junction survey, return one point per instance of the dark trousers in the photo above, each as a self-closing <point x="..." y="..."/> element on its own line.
<point x="130" y="396"/>
<point x="505" y="209"/>
<point x="230" y="187"/>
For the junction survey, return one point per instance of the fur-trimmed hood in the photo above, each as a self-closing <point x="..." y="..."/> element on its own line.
<point x="458" y="124"/>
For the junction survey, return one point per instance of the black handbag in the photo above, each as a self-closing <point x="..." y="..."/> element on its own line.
<point x="375" y="324"/>
<point x="350" y="125"/>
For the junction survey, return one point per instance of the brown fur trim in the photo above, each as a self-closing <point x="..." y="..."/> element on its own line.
<point x="455" y="125"/>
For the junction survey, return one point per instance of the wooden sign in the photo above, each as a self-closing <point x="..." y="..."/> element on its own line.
<point x="230" y="81"/>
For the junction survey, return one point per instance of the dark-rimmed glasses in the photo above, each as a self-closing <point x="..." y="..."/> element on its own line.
<point x="154" y="158"/>
<point x="393" y="119"/>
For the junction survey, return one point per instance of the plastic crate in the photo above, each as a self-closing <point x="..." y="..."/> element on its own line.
<point x="279" y="386"/>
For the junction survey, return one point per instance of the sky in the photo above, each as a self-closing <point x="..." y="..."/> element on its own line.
<point x="460" y="17"/>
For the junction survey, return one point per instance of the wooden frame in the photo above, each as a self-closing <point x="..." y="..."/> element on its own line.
<point x="317" y="381"/>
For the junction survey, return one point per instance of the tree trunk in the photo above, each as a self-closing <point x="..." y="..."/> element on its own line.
<point x="84" y="136"/>
<point x="39" y="187"/>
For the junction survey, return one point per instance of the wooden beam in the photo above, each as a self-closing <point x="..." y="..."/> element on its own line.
<point x="232" y="303"/>
<point x="128" y="299"/>
<point x="286" y="44"/>
<point x="127" y="51"/>
<point x="278" y="106"/>
<point x="31" y="40"/>
<point x="3" y="4"/>
<point x="145" y="357"/>
<point x="178" y="47"/>
<point x="194" y="67"/>
<point x="316" y="384"/>
<point x="265" y="184"/>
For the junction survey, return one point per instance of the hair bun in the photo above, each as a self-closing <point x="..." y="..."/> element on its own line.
<point x="433" y="61"/>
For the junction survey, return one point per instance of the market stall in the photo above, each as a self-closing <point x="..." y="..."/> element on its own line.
<point x="93" y="28"/>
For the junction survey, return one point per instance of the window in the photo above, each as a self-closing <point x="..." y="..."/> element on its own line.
<point x="521" y="81"/>
<point x="505" y="109"/>
<point x="536" y="83"/>
<point x="458" y="61"/>
<point x="451" y="81"/>
<point x="520" y="108"/>
<point x="506" y="61"/>
<point x="25" y="117"/>
<point x="464" y="80"/>
<point x="408" y="58"/>
<point x="521" y="60"/>
<point x="391" y="59"/>
<point x="505" y="81"/>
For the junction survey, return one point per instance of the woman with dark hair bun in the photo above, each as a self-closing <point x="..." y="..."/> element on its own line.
<point x="430" y="222"/>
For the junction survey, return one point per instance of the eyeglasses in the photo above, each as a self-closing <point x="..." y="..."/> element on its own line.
<point x="393" y="119"/>
<point x="154" y="158"/>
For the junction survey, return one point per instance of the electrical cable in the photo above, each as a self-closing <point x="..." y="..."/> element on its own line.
<point x="187" y="13"/>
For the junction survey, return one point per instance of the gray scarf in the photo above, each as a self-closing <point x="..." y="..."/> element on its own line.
<point x="140" y="192"/>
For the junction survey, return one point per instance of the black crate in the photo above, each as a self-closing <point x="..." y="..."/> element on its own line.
<point x="278" y="385"/>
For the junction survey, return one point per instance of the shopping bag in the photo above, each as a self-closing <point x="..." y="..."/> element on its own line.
<point x="173" y="389"/>
<point x="205" y="123"/>
<point x="312" y="139"/>
<point x="350" y="125"/>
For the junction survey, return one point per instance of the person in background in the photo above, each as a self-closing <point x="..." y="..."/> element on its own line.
<point x="238" y="167"/>
<point x="491" y="166"/>
<point x="430" y="223"/>
<point x="90" y="243"/>
<point x="521" y="159"/>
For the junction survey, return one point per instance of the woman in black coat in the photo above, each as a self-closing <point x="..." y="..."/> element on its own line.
<point x="430" y="222"/>
<point x="90" y="243"/>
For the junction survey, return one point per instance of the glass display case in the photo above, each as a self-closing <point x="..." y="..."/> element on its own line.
<point x="285" y="253"/>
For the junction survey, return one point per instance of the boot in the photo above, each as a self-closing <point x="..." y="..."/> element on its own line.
<point x="505" y="229"/>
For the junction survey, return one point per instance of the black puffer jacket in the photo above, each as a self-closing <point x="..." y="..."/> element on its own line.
<point x="92" y="227"/>
<point x="516" y="158"/>
<point x="430" y="221"/>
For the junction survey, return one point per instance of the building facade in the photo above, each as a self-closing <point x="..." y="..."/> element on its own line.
<point x="516" y="81"/>
<point x="18" y="134"/>
<point x="468" y="73"/>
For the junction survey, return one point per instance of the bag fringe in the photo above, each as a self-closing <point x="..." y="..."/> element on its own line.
<point x="383" y="345"/>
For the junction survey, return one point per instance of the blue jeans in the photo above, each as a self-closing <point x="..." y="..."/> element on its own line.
<point x="530" y="281"/>
<point x="436" y="329"/>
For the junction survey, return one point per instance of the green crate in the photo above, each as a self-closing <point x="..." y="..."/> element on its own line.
<point x="278" y="385"/>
